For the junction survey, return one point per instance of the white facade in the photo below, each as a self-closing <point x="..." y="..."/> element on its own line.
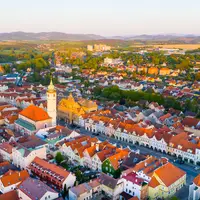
<point x="23" y="161"/>
<point x="132" y="188"/>
<point x="8" y="188"/>
<point x="72" y="156"/>
<point x="69" y="181"/>
<point x="48" y="195"/>
<point x="194" y="192"/>
<point x="51" y="103"/>
<point x="6" y="155"/>
<point x="96" y="163"/>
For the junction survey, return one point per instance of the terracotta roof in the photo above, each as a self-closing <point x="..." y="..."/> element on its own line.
<point x="35" y="113"/>
<point x="134" y="198"/>
<point x="190" y="121"/>
<point x="13" y="177"/>
<point x="197" y="180"/>
<point x="52" y="167"/>
<point x="169" y="178"/>
<point x="91" y="150"/>
<point x="153" y="183"/>
<point x="104" y="154"/>
<point x="149" y="165"/>
<point x="12" y="195"/>
<point x="177" y="138"/>
<point x="162" y="118"/>
<point x="114" y="160"/>
<point x="6" y="147"/>
<point x="5" y="163"/>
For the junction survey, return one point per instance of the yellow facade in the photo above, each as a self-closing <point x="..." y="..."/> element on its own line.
<point x="70" y="110"/>
<point x="163" y="191"/>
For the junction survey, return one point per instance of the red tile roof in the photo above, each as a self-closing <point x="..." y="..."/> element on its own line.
<point x="35" y="113"/>
<point x="12" y="195"/>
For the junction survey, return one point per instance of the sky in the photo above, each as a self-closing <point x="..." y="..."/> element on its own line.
<point x="102" y="17"/>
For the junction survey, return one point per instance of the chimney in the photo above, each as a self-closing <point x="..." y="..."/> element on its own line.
<point x="97" y="147"/>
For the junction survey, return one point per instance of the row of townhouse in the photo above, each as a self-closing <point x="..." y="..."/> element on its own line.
<point x="101" y="156"/>
<point x="175" y="142"/>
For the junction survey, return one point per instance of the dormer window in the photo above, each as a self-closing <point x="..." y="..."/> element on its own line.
<point x="189" y="151"/>
<point x="179" y="147"/>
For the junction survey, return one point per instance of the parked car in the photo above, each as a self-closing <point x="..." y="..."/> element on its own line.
<point x="95" y="134"/>
<point x="179" y="161"/>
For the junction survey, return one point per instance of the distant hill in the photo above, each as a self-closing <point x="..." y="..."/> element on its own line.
<point x="172" y="38"/>
<point x="48" y="36"/>
<point x="167" y="38"/>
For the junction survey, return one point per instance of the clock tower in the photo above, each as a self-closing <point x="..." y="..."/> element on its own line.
<point x="51" y="102"/>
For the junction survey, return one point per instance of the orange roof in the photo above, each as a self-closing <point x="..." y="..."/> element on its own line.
<point x="169" y="178"/>
<point x="58" y="127"/>
<point x="149" y="165"/>
<point x="35" y="113"/>
<point x="13" y="177"/>
<point x="181" y="136"/>
<point x="154" y="183"/>
<point x="103" y="154"/>
<point x="11" y="119"/>
<point x="114" y="160"/>
<point x="91" y="150"/>
<point x="134" y="198"/>
<point x="2" y="164"/>
<point x="81" y="149"/>
<point x="197" y="180"/>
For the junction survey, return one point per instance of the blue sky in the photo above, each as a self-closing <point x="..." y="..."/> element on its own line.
<point x="104" y="17"/>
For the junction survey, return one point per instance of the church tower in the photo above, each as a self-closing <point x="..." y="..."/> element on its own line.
<point x="51" y="102"/>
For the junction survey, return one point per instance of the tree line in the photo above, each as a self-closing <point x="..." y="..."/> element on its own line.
<point x="131" y="97"/>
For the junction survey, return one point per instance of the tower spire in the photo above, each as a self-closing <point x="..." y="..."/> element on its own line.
<point x="51" y="87"/>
